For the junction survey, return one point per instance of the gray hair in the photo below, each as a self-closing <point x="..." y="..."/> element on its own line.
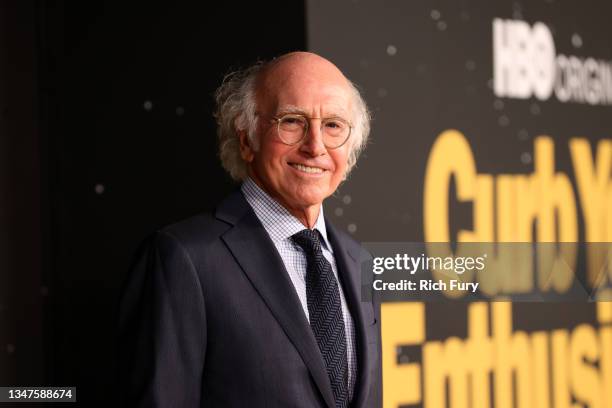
<point x="236" y="107"/>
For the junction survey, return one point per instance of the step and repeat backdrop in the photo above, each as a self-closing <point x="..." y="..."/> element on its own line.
<point x="492" y="123"/>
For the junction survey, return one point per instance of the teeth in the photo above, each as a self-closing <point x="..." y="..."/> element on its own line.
<point x="307" y="169"/>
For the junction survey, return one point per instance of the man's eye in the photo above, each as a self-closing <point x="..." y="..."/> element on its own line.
<point x="334" y="124"/>
<point x="292" y="124"/>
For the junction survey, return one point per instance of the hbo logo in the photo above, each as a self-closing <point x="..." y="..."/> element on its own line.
<point x="523" y="59"/>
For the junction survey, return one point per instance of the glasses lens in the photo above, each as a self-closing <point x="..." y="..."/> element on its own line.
<point x="335" y="132"/>
<point x="291" y="128"/>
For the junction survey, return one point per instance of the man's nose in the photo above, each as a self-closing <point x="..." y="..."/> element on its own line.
<point x="313" y="141"/>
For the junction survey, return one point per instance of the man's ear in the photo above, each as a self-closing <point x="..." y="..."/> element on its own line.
<point x="246" y="150"/>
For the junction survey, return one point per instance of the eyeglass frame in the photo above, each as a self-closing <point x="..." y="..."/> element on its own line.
<point x="308" y="119"/>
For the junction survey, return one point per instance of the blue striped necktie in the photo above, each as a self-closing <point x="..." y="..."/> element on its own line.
<point x="325" y="312"/>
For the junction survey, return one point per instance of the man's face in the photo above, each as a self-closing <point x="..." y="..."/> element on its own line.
<point x="301" y="175"/>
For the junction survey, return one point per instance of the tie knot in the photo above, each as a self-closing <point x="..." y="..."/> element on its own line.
<point x="308" y="240"/>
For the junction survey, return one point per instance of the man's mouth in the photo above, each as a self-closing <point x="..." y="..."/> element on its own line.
<point x="307" y="169"/>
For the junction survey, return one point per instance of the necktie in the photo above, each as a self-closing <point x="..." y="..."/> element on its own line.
<point x="325" y="312"/>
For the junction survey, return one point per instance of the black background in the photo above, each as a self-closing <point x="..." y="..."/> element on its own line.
<point x="78" y="76"/>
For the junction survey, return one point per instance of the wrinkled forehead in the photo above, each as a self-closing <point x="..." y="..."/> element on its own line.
<point x="313" y="89"/>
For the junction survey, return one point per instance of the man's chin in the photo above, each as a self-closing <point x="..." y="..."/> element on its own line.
<point x="311" y="201"/>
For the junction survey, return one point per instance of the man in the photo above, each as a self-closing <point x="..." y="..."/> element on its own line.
<point x="259" y="304"/>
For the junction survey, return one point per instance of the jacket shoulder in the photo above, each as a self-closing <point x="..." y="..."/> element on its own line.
<point x="201" y="233"/>
<point x="195" y="231"/>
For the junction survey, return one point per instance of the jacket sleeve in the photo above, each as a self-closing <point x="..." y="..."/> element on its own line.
<point x="162" y="328"/>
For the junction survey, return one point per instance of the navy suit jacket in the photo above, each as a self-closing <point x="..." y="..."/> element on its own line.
<point x="210" y="318"/>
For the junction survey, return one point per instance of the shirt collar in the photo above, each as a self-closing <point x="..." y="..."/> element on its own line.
<point x="278" y="222"/>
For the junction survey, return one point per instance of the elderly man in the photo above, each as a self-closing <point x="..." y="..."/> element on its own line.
<point x="259" y="304"/>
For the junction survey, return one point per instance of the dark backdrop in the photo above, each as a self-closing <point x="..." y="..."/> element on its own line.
<point x="119" y="97"/>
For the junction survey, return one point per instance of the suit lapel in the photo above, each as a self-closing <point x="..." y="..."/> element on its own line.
<point x="347" y="260"/>
<point x="252" y="248"/>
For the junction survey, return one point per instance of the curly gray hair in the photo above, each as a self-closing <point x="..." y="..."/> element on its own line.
<point x="236" y="107"/>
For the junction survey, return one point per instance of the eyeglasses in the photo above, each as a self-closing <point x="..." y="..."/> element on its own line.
<point x="292" y="129"/>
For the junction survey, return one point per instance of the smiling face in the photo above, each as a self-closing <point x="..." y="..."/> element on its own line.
<point x="300" y="176"/>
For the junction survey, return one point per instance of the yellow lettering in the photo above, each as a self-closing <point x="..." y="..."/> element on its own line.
<point x="561" y="396"/>
<point x="444" y="360"/>
<point x="543" y="201"/>
<point x="604" y="317"/>
<point x="450" y="156"/>
<point x="402" y="324"/>
<point x="592" y="181"/>
<point x="556" y="207"/>
<point x="480" y="351"/>
<point x="584" y="351"/>
<point x="541" y="377"/>
<point x="512" y="360"/>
